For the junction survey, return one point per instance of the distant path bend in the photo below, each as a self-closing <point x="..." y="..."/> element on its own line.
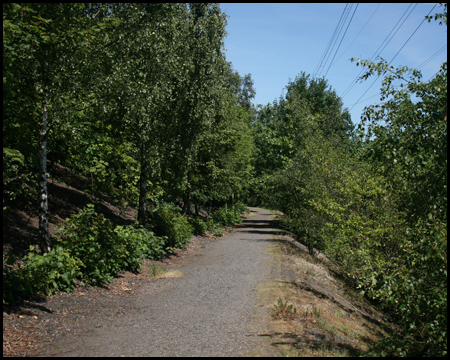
<point x="206" y="312"/>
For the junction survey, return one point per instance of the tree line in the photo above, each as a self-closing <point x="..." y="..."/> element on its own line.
<point x="140" y="99"/>
<point x="136" y="97"/>
<point x="373" y="198"/>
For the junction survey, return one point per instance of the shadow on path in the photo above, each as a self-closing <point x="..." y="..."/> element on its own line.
<point x="262" y="227"/>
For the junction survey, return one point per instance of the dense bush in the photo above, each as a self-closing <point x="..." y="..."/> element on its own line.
<point x="141" y="243"/>
<point x="89" y="249"/>
<point x="199" y="226"/>
<point x="105" y="250"/>
<point x="41" y="274"/>
<point x="91" y="238"/>
<point x="227" y="216"/>
<point x="240" y="207"/>
<point x="169" y="222"/>
<point x="416" y="293"/>
<point x="51" y="272"/>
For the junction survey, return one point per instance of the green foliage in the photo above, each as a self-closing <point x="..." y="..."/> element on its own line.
<point x="51" y="272"/>
<point x="283" y="131"/>
<point x="240" y="208"/>
<point x="199" y="226"/>
<point x="15" y="177"/>
<point x="89" y="249"/>
<point x="140" y="243"/>
<point x="226" y="216"/>
<point x="91" y="238"/>
<point x="216" y="231"/>
<point x="221" y="167"/>
<point x="169" y="222"/>
<point x="408" y="139"/>
<point x="14" y="285"/>
<point x="410" y="151"/>
<point x="376" y="206"/>
<point x="416" y="293"/>
<point x="42" y="274"/>
<point x="105" y="250"/>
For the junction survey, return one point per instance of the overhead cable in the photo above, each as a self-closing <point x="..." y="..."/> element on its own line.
<point x="360" y="31"/>
<point x="342" y="39"/>
<point x="412" y="34"/>
<point x="337" y="35"/>
<point x="394" y="56"/>
<point x="380" y="49"/>
<point x="324" y="55"/>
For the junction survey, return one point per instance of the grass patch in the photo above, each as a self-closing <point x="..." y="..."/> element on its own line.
<point x="172" y="274"/>
<point x="156" y="269"/>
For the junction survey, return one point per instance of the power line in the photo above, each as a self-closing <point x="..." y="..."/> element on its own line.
<point x="338" y="34"/>
<point x="324" y="55"/>
<point x="370" y="97"/>
<point x="342" y="38"/>
<point x="327" y="49"/>
<point x="360" y="31"/>
<point x="396" y="84"/>
<point x="394" y="56"/>
<point x="398" y="28"/>
<point x="434" y="75"/>
<point x="432" y="57"/>
<point x="412" y="34"/>
<point x="365" y="92"/>
<point x="379" y="50"/>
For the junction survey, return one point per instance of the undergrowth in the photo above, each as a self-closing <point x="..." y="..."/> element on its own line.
<point x="91" y="250"/>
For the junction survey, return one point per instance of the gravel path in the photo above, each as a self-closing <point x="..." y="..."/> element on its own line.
<point x="206" y="312"/>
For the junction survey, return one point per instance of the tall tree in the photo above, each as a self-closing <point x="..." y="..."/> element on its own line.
<point x="44" y="46"/>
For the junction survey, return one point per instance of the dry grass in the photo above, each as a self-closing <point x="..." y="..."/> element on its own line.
<point x="158" y="271"/>
<point x="329" y="320"/>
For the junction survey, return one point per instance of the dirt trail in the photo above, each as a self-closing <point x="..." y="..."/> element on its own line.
<point x="208" y="311"/>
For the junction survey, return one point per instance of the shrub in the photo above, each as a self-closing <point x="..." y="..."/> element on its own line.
<point x="44" y="274"/>
<point x="92" y="239"/>
<point x="225" y="217"/>
<point x="140" y="243"/>
<point x="14" y="285"/>
<point x="416" y="293"/>
<point x="198" y="225"/>
<point x="89" y="249"/>
<point x="240" y="208"/>
<point x="169" y="222"/>
<point x="16" y="178"/>
<point x="54" y="271"/>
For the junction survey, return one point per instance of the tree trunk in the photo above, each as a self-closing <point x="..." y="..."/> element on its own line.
<point x="44" y="235"/>
<point x="187" y="204"/>
<point x="142" y="211"/>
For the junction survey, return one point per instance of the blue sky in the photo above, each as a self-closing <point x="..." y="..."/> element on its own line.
<point x="275" y="42"/>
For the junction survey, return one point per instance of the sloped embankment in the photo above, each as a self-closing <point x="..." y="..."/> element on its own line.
<point x="307" y="310"/>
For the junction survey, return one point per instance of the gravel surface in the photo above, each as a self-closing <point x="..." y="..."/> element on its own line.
<point x="206" y="312"/>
